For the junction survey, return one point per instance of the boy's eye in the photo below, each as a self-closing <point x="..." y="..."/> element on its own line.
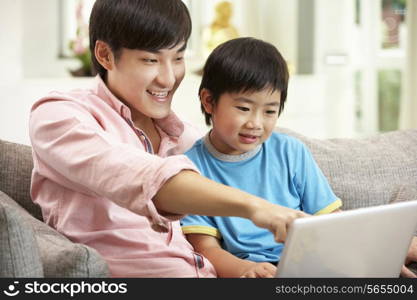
<point x="271" y="112"/>
<point x="180" y="58"/>
<point x="242" y="108"/>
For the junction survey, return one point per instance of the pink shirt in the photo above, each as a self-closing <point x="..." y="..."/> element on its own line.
<point x="95" y="176"/>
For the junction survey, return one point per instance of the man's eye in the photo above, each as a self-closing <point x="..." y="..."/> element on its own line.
<point x="242" y="108"/>
<point x="149" y="60"/>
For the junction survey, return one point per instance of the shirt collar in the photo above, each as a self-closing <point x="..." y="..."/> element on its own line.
<point x="171" y="124"/>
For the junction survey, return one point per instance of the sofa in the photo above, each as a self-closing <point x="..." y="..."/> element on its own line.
<point x="29" y="247"/>
<point x="363" y="172"/>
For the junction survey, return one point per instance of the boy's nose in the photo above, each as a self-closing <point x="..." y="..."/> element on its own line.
<point x="254" y="124"/>
<point x="255" y="120"/>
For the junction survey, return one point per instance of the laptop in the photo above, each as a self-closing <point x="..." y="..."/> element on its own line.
<point x="366" y="242"/>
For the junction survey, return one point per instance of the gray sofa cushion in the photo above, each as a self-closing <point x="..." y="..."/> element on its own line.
<point x="59" y="256"/>
<point x="368" y="171"/>
<point x="19" y="254"/>
<point x="406" y="193"/>
<point x="15" y="175"/>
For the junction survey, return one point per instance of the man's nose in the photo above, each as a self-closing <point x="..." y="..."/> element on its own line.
<point x="166" y="76"/>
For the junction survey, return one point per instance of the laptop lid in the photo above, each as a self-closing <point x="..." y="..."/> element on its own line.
<point x="365" y="242"/>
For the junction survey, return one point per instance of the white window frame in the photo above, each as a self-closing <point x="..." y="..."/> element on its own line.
<point x="374" y="59"/>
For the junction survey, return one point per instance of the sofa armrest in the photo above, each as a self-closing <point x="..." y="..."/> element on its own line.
<point x="19" y="252"/>
<point x="59" y="256"/>
<point x="15" y="175"/>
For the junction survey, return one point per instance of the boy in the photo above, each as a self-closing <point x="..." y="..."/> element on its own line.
<point x="108" y="165"/>
<point x="243" y="91"/>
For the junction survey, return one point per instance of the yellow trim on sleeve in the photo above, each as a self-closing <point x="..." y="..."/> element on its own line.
<point x="202" y="230"/>
<point x="329" y="208"/>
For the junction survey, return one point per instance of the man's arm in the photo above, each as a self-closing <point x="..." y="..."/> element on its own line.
<point x="225" y="263"/>
<point x="190" y="193"/>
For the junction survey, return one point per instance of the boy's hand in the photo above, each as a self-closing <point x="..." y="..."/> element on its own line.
<point x="260" y="270"/>
<point x="275" y="218"/>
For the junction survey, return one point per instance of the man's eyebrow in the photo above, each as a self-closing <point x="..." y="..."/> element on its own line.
<point x="250" y="101"/>
<point x="158" y="51"/>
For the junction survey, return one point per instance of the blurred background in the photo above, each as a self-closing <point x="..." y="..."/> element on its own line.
<point x="353" y="63"/>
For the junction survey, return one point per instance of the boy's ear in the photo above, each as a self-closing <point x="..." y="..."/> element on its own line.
<point x="104" y="55"/>
<point x="206" y="100"/>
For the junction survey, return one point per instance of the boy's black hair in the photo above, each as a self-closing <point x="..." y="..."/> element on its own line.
<point x="243" y="65"/>
<point x="138" y="24"/>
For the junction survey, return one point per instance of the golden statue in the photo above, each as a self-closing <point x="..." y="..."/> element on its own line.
<point x="220" y="30"/>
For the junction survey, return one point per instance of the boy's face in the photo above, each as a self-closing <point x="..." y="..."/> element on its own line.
<point x="242" y="121"/>
<point x="146" y="81"/>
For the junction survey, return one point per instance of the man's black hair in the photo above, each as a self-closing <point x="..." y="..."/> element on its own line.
<point x="138" y="24"/>
<point x="244" y="65"/>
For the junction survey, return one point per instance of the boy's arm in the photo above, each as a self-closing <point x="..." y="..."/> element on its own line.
<point x="314" y="189"/>
<point x="225" y="263"/>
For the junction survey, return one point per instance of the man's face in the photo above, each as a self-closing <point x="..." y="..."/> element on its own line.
<point x="146" y="81"/>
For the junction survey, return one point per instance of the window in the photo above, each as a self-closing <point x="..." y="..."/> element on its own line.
<point x="74" y="15"/>
<point x="381" y="24"/>
<point x="393" y="23"/>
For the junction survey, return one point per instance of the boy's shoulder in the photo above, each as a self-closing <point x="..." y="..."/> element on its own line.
<point x="279" y="139"/>
<point x="285" y="146"/>
<point x="196" y="147"/>
<point x="197" y="153"/>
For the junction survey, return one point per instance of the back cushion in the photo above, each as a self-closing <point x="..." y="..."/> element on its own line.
<point x="366" y="171"/>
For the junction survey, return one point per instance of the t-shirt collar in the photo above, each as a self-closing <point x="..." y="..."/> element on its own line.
<point x="228" y="157"/>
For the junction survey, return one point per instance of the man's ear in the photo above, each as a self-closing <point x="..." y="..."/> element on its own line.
<point x="207" y="100"/>
<point x="104" y="55"/>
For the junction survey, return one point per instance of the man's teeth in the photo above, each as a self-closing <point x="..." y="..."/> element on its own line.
<point x="158" y="94"/>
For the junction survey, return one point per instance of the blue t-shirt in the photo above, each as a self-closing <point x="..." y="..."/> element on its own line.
<point x="281" y="170"/>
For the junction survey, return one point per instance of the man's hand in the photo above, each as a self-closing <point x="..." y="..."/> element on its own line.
<point x="411" y="257"/>
<point x="260" y="270"/>
<point x="275" y="218"/>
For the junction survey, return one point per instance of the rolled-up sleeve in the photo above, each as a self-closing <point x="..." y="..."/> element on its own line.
<point x="73" y="149"/>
